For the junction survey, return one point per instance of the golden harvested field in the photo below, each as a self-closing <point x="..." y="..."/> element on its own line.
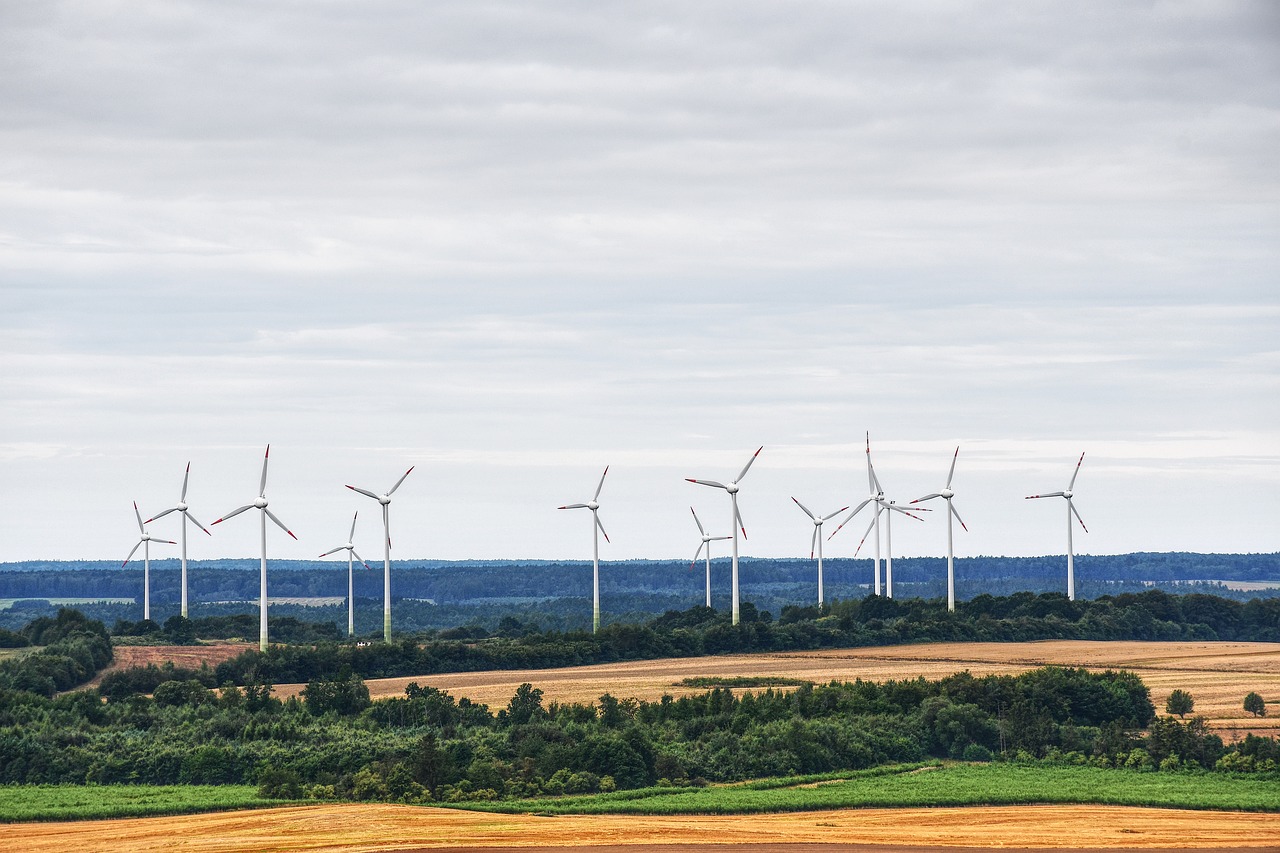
<point x="1217" y="674"/>
<point x="360" y="827"/>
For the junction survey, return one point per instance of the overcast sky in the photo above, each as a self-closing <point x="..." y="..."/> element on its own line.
<point x="512" y="243"/>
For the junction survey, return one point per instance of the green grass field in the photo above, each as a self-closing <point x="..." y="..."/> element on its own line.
<point x="89" y="802"/>
<point x="951" y="785"/>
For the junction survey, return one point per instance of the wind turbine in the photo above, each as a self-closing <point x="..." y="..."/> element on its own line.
<point x="706" y="543"/>
<point x="817" y="539"/>
<point x="596" y="529"/>
<point x="260" y="503"/>
<point x="385" y="500"/>
<point x="735" y="520"/>
<point x="946" y="494"/>
<point x="888" y="508"/>
<point x="876" y="496"/>
<point x="1071" y="509"/>
<point x="181" y="506"/>
<point x="351" y="557"/>
<point x="145" y="544"/>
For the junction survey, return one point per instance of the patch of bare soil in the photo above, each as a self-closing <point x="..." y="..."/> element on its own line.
<point x="1217" y="674"/>
<point x="188" y="657"/>
<point x="361" y="827"/>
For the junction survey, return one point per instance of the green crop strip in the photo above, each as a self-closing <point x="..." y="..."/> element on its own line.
<point x="928" y="785"/>
<point x="19" y="803"/>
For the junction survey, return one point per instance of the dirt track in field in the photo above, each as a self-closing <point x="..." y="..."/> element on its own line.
<point x="1217" y="674"/>
<point x="358" y="827"/>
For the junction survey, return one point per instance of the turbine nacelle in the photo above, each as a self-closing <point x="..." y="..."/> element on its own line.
<point x="385" y="500"/>
<point x="732" y="488"/>
<point x="947" y="493"/>
<point x="1067" y="494"/>
<point x="260" y="502"/>
<point x="593" y="506"/>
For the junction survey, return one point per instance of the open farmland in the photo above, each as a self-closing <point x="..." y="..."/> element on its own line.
<point x="188" y="657"/>
<point x="1217" y="674"/>
<point x="346" y="827"/>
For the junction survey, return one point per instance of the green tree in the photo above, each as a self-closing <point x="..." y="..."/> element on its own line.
<point x="1180" y="703"/>
<point x="525" y="705"/>
<point x="1254" y="705"/>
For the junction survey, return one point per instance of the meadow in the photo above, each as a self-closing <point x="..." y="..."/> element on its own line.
<point x="20" y="803"/>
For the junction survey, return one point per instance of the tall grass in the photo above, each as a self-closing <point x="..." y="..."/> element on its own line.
<point x="954" y="785"/>
<point x="19" y="803"/>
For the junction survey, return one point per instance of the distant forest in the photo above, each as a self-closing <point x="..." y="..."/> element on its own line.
<point x="437" y="594"/>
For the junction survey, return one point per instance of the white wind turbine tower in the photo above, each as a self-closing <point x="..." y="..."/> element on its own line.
<point x="596" y="529"/>
<point x="1071" y="509"/>
<point x="385" y="500"/>
<point x="735" y="520"/>
<point x="817" y="538"/>
<point x="181" y="506"/>
<point x="706" y="543"/>
<point x="351" y="557"/>
<point x="145" y="544"/>
<point x="946" y="494"/>
<point x="260" y="503"/>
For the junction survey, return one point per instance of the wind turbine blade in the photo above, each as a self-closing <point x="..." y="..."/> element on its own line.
<point x="138" y="515"/>
<point x="697" y="554"/>
<point x="165" y="541"/>
<point x="699" y="523"/>
<point x="1072" y="505"/>
<point x="573" y="506"/>
<point x="358" y="557"/>
<point x="952" y="472"/>
<point x="601" y="526"/>
<point x="849" y="517"/>
<point x="160" y="515"/>
<point x="333" y="551"/>
<point x="600" y="485"/>
<point x="365" y="492"/>
<point x="879" y="489"/>
<point x="232" y="514"/>
<point x="957" y="515"/>
<point x="927" y="498"/>
<point x="719" y="538"/>
<point x="185" y="478"/>
<point x="1047" y="495"/>
<point x="834" y="514"/>
<point x="1072" y="484"/>
<point x="707" y="483"/>
<point x="196" y="523"/>
<point x="262" y="484"/>
<point x="747" y="467"/>
<point x="806" y="509"/>
<point x="813" y="542"/>
<point x="401" y="480"/>
<point x="131" y="553"/>
<point x="741" y="524"/>
<point x="351" y="537"/>
<point x="271" y="515"/>
<point x="863" y="541"/>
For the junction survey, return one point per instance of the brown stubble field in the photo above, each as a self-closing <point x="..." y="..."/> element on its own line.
<point x="1217" y="674"/>
<point x="364" y="827"/>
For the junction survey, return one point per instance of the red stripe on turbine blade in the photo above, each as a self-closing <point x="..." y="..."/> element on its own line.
<point x="290" y="532"/>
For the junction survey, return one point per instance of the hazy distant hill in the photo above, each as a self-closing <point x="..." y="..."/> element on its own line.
<point x="485" y="590"/>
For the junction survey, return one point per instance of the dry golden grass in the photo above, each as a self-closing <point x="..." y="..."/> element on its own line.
<point x="1217" y="674"/>
<point x="358" y="827"/>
